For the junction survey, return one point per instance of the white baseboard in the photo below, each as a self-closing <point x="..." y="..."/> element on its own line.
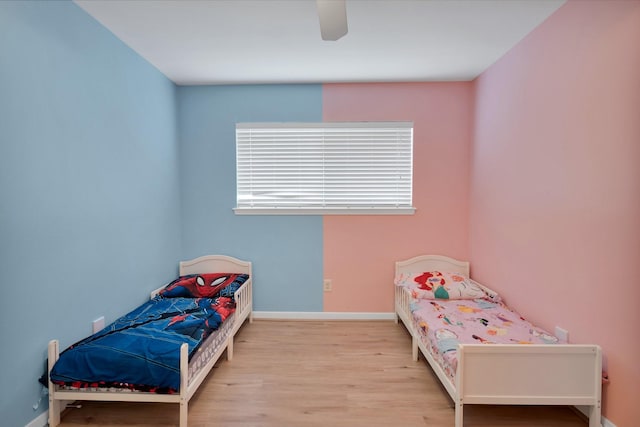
<point x="607" y="423"/>
<point x="39" y="421"/>
<point x="42" y="420"/>
<point x="320" y="315"/>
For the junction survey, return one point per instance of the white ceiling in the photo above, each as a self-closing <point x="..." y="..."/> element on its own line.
<point x="278" y="41"/>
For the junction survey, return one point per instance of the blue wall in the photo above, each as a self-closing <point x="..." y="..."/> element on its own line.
<point x="89" y="187"/>
<point x="109" y="175"/>
<point x="286" y="251"/>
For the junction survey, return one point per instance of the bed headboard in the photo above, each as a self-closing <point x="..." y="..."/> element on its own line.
<point x="215" y="264"/>
<point x="211" y="264"/>
<point x="432" y="262"/>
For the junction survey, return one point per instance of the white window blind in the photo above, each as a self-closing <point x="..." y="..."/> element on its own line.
<point x="323" y="168"/>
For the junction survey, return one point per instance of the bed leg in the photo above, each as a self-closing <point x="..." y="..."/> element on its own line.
<point x="54" y="411"/>
<point x="184" y="411"/>
<point x="230" y="348"/>
<point x="595" y="416"/>
<point x="55" y="406"/>
<point x="459" y="422"/>
<point x="414" y="349"/>
<point x="395" y="317"/>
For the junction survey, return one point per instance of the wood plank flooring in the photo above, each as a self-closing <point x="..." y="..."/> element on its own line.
<point x="329" y="374"/>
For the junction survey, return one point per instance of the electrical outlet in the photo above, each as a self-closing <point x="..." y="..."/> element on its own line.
<point x="98" y="324"/>
<point x="326" y="285"/>
<point x="562" y="334"/>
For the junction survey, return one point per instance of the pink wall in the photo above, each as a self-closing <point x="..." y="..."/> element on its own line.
<point x="555" y="193"/>
<point x="360" y="251"/>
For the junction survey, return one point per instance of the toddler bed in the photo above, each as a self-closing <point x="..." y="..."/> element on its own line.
<point x="162" y="350"/>
<point x="485" y="353"/>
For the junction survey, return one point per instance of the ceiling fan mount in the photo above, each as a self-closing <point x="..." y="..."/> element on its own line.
<point x="333" y="19"/>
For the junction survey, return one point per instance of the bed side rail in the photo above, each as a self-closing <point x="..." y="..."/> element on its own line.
<point x="244" y="302"/>
<point x="402" y="306"/>
<point x="403" y="311"/>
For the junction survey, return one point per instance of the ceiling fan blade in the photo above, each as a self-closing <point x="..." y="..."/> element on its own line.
<point x="333" y="18"/>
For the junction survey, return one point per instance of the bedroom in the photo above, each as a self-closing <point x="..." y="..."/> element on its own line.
<point x="106" y="181"/>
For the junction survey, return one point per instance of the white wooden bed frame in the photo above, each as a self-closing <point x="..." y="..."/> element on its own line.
<point x="188" y="385"/>
<point x="560" y="374"/>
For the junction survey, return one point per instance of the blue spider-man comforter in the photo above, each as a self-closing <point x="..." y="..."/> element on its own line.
<point x="141" y="349"/>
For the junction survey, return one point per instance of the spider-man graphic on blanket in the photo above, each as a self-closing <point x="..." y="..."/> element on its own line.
<point x="140" y="350"/>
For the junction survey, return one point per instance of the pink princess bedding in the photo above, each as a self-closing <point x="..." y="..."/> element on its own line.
<point x="450" y="308"/>
<point x="442" y="324"/>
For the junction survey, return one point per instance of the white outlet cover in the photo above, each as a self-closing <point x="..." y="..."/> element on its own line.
<point x="98" y="324"/>
<point x="562" y="334"/>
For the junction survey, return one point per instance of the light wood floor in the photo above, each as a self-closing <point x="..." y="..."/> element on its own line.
<point x="328" y="374"/>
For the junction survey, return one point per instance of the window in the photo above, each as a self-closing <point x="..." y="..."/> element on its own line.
<point x="324" y="168"/>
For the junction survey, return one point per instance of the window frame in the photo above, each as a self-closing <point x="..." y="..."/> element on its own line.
<point x="404" y="135"/>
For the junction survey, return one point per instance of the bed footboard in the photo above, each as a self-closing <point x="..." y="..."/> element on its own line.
<point x="529" y="375"/>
